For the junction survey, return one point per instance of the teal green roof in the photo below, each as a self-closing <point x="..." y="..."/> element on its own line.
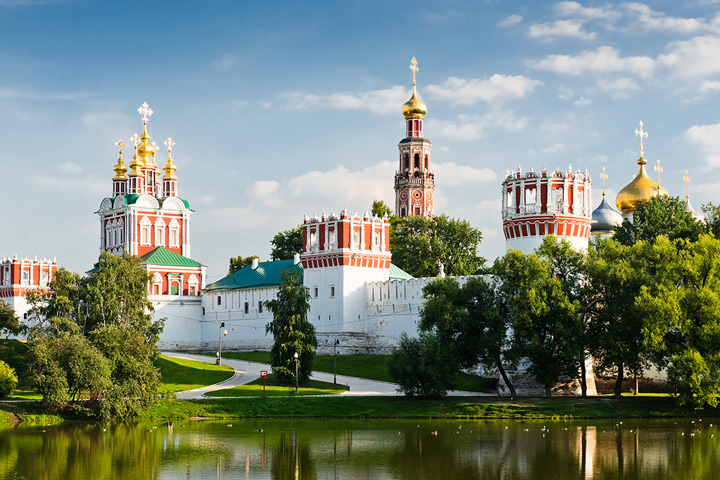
<point x="168" y="258"/>
<point x="267" y="274"/>
<point x="397" y="273"/>
<point x="131" y="198"/>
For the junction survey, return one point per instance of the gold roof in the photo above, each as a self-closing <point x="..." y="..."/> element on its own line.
<point x="120" y="167"/>
<point x="145" y="150"/>
<point x="414" y="107"/>
<point x="641" y="189"/>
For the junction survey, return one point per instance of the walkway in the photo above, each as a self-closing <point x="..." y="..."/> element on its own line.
<point x="246" y="372"/>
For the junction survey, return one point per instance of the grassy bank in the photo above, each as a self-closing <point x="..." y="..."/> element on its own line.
<point x="403" y="407"/>
<point x="179" y="374"/>
<point x="274" y="388"/>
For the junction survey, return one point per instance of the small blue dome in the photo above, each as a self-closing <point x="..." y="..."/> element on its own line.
<point x="605" y="218"/>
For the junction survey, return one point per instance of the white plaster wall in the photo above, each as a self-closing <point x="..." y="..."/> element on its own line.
<point x="182" y="325"/>
<point x="325" y="309"/>
<point x="530" y="244"/>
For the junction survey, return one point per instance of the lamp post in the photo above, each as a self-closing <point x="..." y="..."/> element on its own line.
<point x="221" y="334"/>
<point x="297" y="361"/>
<point x="337" y="342"/>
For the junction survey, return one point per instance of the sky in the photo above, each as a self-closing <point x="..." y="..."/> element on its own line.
<point x="286" y="108"/>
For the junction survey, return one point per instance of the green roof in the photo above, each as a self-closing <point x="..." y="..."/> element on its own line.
<point x="267" y="274"/>
<point x="397" y="273"/>
<point x="131" y="198"/>
<point x="165" y="257"/>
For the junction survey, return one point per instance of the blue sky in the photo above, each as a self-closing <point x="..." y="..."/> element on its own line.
<point x="284" y="108"/>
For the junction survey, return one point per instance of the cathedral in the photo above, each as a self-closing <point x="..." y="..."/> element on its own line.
<point x="359" y="301"/>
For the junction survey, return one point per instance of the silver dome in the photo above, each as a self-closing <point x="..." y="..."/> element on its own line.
<point x="605" y="218"/>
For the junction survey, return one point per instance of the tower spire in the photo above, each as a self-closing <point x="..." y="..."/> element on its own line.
<point x="687" y="187"/>
<point x="641" y="136"/>
<point x="659" y="170"/>
<point x="604" y="177"/>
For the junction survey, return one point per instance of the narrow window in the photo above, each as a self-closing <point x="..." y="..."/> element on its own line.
<point x="417" y="161"/>
<point x="260" y="307"/>
<point x="219" y="298"/>
<point x="316" y="292"/>
<point x="247" y="307"/>
<point x="332" y="291"/>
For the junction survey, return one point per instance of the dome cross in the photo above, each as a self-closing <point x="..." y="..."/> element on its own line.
<point x="604" y="177"/>
<point x="120" y="145"/>
<point x="145" y="111"/>
<point x="414" y="68"/>
<point x="659" y="170"/>
<point x="687" y="186"/>
<point x="170" y="144"/>
<point x="641" y="136"/>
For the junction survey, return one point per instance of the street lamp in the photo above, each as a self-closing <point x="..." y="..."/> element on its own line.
<point x="297" y="361"/>
<point x="221" y="334"/>
<point x="337" y="342"/>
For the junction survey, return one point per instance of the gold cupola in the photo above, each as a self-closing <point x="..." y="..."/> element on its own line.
<point x="414" y="107"/>
<point x="642" y="188"/>
<point x="170" y="167"/>
<point x="120" y="169"/>
<point x="145" y="150"/>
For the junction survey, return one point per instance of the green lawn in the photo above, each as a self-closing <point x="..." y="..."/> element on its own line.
<point x="180" y="374"/>
<point x="372" y="367"/>
<point x="273" y="388"/>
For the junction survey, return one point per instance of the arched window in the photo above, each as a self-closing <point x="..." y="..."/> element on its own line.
<point x="406" y="163"/>
<point x="427" y="163"/>
<point x="417" y="161"/>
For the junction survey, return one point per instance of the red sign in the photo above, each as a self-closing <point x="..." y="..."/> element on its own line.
<point x="263" y="374"/>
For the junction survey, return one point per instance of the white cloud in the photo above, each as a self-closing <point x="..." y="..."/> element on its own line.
<point x="560" y="28"/>
<point x="582" y="102"/>
<point x="459" y="91"/>
<point x="695" y="57"/>
<point x="602" y="60"/>
<point x="266" y="191"/>
<point x="473" y="127"/>
<point x="377" y="101"/>
<point x="70" y="167"/>
<point x="12" y="93"/>
<point x="510" y="21"/>
<point x="619" y="87"/>
<point x="454" y="175"/>
<point x="652" y="20"/>
<point x="554" y="148"/>
<point x="571" y="9"/>
<point x="87" y="186"/>
<point x="711" y="86"/>
<point x="707" y="139"/>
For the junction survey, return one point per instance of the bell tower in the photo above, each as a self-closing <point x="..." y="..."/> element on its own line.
<point x="414" y="181"/>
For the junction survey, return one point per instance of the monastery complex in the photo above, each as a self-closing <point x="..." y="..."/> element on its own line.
<point x="360" y="302"/>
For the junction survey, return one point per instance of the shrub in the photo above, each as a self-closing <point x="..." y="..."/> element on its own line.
<point x="8" y="380"/>
<point x="423" y="366"/>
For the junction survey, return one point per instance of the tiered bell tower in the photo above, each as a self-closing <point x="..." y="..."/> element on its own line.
<point x="414" y="181"/>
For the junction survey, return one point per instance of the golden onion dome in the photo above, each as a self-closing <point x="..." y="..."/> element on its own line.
<point x="414" y="107"/>
<point x="145" y="150"/>
<point x="120" y="169"/>
<point x="170" y="168"/>
<point x="641" y="189"/>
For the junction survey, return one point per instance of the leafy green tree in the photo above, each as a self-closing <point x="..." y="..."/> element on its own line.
<point x="568" y="266"/>
<point x="286" y="244"/>
<point x="238" y="263"/>
<point x="469" y="320"/>
<point x="712" y="218"/>
<point x="420" y="244"/>
<point x="96" y="339"/>
<point x="292" y="331"/>
<point x="661" y="215"/>
<point x="8" y="380"/>
<point x="380" y="209"/>
<point x="682" y="297"/>
<point x="542" y="317"/>
<point x="615" y="274"/>
<point x="9" y="321"/>
<point x="423" y="366"/>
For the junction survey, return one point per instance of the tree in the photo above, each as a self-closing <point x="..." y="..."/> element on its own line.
<point x="541" y="316"/>
<point x="682" y="297"/>
<point x="286" y="244"/>
<point x="615" y="274"/>
<point x="292" y="331"/>
<point x="419" y="245"/>
<point x="381" y="209"/>
<point x="8" y="380"/>
<point x="568" y="266"/>
<point x="661" y="215"/>
<point x="423" y="366"/>
<point x="469" y="320"/>
<point x="96" y="339"/>
<point x="238" y="263"/>
<point x="9" y="321"/>
<point x="712" y="217"/>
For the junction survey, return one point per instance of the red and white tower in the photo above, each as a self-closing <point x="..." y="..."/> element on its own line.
<point x="145" y="217"/>
<point x="546" y="204"/>
<point x="341" y="254"/>
<point x="18" y="276"/>
<point x="414" y="181"/>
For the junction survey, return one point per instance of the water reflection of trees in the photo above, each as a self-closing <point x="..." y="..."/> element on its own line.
<point x="381" y="449"/>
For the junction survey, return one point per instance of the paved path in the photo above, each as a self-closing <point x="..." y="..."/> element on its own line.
<point x="246" y="372"/>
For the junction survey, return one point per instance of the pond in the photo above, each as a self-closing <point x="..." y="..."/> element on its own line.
<point x="373" y="449"/>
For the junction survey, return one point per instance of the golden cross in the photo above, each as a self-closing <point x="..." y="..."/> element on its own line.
<point x="145" y="111"/>
<point x="414" y="68"/>
<point x="687" y="183"/>
<point x="120" y="144"/>
<point x="135" y="139"/>
<point x="659" y="170"/>
<point x="642" y="136"/>
<point x="170" y="144"/>
<point x="604" y="176"/>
